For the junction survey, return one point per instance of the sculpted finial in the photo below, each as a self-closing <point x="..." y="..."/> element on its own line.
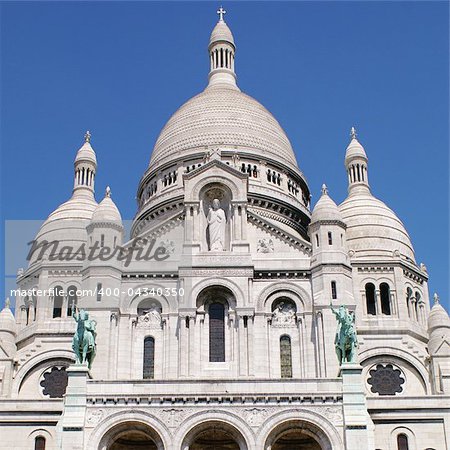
<point x="87" y="136"/>
<point x="8" y="303"/>
<point x="221" y="13"/>
<point x="108" y="191"/>
<point x="324" y="189"/>
<point x="353" y="133"/>
<point x="436" y="299"/>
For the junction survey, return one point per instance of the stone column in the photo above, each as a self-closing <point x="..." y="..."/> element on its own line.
<point x="71" y="425"/>
<point x="358" y="425"/>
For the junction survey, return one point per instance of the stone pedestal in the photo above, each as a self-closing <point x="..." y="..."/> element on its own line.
<point x="71" y="425"/>
<point x="358" y="425"/>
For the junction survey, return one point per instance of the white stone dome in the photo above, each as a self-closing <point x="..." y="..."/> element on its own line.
<point x="438" y="318"/>
<point x="221" y="33"/>
<point x="373" y="229"/>
<point x="326" y="209"/>
<point x="7" y="320"/>
<point x="107" y="210"/>
<point x="223" y="116"/>
<point x="86" y="153"/>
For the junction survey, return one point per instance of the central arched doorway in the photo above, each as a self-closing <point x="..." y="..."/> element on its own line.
<point x="297" y="435"/>
<point x="214" y="435"/>
<point x="132" y="436"/>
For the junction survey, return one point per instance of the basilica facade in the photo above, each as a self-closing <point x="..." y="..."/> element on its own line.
<point x="213" y="319"/>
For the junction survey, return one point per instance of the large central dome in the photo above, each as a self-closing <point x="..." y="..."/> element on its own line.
<point x="222" y="115"/>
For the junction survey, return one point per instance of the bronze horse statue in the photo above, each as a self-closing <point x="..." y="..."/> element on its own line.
<point x="83" y="343"/>
<point x="346" y="340"/>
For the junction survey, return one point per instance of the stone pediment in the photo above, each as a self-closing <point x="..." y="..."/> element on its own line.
<point x="160" y="228"/>
<point x="215" y="172"/>
<point x="278" y="231"/>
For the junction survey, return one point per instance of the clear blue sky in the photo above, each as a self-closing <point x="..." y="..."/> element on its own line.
<point x="121" y="69"/>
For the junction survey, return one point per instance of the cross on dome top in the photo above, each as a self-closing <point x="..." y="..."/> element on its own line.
<point x="87" y="136"/>
<point x="221" y="13"/>
<point x="353" y="133"/>
<point x="436" y="298"/>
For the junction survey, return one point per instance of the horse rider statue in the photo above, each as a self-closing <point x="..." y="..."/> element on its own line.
<point x="346" y="340"/>
<point x="83" y="343"/>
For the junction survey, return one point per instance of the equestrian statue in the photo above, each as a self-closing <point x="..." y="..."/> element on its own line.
<point x="83" y="343"/>
<point x="346" y="341"/>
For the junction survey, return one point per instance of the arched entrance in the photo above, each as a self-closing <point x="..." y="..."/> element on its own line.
<point x="131" y="435"/>
<point x="214" y="435"/>
<point x="297" y="435"/>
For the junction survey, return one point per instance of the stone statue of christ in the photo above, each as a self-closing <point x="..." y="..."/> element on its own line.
<point x="216" y="226"/>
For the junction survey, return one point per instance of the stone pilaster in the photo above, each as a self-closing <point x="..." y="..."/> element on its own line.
<point x="71" y="425"/>
<point x="358" y="425"/>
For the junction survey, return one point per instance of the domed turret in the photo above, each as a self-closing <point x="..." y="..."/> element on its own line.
<point x="67" y="223"/>
<point x="438" y="324"/>
<point x="373" y="229"/>
<point x="325" y="208"/>
<point x="221" y="54"/>
<point x="8" y="325"/>
<point x="327" y="232"/>
<point x="106" y="226"/>
<point x="106" y="210"/>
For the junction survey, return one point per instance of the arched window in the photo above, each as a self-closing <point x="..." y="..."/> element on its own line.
<point x="402" y="442"/>
<point x="333" y="290"/>
<point x="330" y="238"/>
<point x="72" y="299"/>
<point x="216" y="332"/>
<point x="149" y="358"/>
<point x="370" y="299"/>
<point x="416" y="305"/>
<point x="385" y="294"/>
<point x="58" y="299"/>
<point x="408" y="300"/>
<point x="285" y="357"/>
<point x="39" y="443"/>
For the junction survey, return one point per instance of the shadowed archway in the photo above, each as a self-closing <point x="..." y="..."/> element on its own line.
<point x="297" y="435"/>
<point x="131" y="435"/>
<point x="214" y="435"/>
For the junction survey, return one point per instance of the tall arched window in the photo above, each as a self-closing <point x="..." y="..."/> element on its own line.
<point x="402" y="442"/>
<point x="416" y="305"/>
<point x="72" y="299"/>
<point x="285" y="357"/>
<point x="216" y="332"/>
<point x="58" y="299"/>
<point x="39" y="443"/>
<point x="370" y="299"/>
<point x="149" y="358"/>
<point x="408" y="300"/>
<point x="385" y="294"/>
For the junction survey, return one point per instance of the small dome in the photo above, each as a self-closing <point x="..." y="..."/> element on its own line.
<point x="325" y="208"/>
<point x="438" y="317"/>
<point x="355" y="150"/>
<point x="221" y="33"/>
<point x="7" y="320"/>
<point x="86" y="152"/>
<point x="107" y="210"/>
<point x="373" y="229"/>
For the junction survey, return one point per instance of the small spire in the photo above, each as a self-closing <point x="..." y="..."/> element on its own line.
<point x="87" y="136"/>
<point x="221" y="13"/>
<point x="108" y="191"/>
<point x="353" y="133"/>
<point x="8" y="303"/>
<point x="324" y="189"/>
<point x="436" y="299"/>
